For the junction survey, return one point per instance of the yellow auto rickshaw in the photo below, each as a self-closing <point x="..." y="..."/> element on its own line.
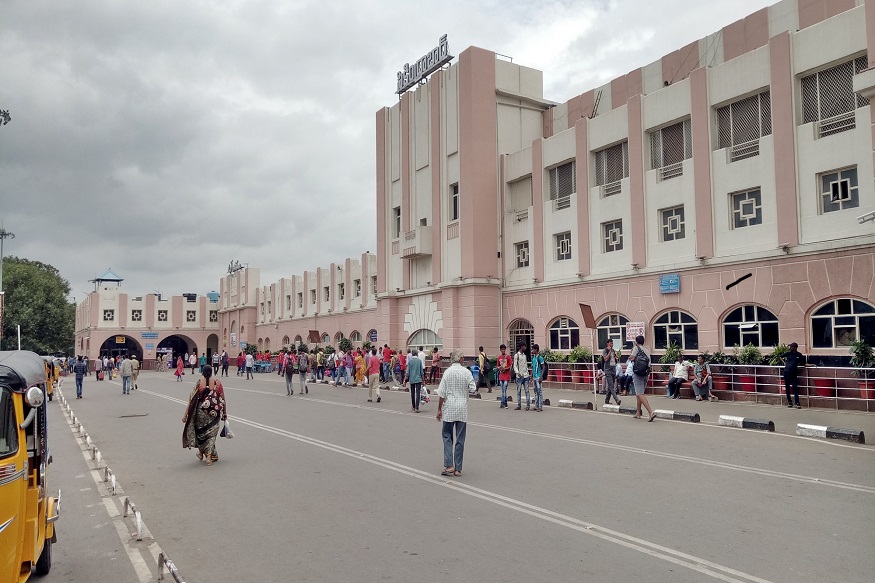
<point x="27" y="513"/>
<point x="53" y="373"/>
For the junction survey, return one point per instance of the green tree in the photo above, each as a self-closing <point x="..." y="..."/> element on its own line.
<point x="36" y="300"/>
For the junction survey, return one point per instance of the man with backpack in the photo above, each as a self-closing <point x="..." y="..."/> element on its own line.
<point x="290" y="368"/>
<point x="485" y="370"/>
<point x="303" y="367"/>
<point x="640" y="359"/>
<point x="539" y="371"/>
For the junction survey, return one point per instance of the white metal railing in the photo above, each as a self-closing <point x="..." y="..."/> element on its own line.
<point x="612" y="188"/>
<point x="165" y="562"/>
<point x="836" y="124"/>
<point x="671" y="171"/>
<point x="563" y="202"/>
<point x="742" y="151"/>
<point x="522" y="215"/>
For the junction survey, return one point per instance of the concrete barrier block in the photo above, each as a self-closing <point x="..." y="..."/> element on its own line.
<point x="852" y="435"/>
<point x="546" y="402"/>
<point x="565" y="403"/>
<point x="585" y="405"/>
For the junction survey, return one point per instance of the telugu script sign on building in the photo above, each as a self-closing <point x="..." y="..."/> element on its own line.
<point x="425" y="66"/>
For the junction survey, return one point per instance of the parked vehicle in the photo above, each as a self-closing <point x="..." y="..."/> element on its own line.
<point x="27" y="513"/>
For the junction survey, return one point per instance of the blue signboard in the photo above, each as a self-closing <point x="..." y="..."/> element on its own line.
<point x="150" y="335"/>
<point x="670" y="283"/>
<point x="373" y="335"/>
<point x="150" y="346"/>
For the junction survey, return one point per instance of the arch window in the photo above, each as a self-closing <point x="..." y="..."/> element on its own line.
<point x="425" y="338"/>
<point x="267" y="344"/>
<point x="260" y="344"/>
<point x="840" y="322"/>
<point x="355" y="336"/>
<point x="338" y="337"/>
<point x="613" y="327"/>
<point x="298" y="339"/>
<point x="521" y="331"/>
<point x="750" y="325"/>
<point x="564" y="334"/>
<point x="326" y="339"/>
<point x="286" y="342"/>
<point x="678" y="327"/>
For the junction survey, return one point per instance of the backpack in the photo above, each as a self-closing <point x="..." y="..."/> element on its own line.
<point x="545" y="368"/>
<point x="291" y="366"/>
<point x="641" y="364"/>
<point x="487" y="364"/>
<point x="303" y="363"/>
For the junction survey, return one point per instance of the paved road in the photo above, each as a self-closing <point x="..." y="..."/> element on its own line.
<point x="328" y="487"/>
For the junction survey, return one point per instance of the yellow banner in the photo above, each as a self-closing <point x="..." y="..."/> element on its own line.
<point x="119" y="339"/>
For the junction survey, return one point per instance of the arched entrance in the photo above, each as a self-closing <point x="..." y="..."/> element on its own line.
<point x="232" y="340"/>
<point x="121" y="345"/>
<point x="212" y="346"/>
<point x="176" y="346"/>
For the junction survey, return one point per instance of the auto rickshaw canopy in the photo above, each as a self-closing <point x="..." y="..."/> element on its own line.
<point x="20" y="369"/>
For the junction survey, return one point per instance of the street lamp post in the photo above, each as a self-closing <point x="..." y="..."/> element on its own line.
<point x="4" y="234"/>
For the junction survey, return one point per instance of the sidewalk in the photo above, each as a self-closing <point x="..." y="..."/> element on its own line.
<point x="785" y="419"/>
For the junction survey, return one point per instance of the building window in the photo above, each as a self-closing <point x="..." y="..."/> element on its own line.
<point x="678" y="327"/>
<point x="355" y="336"/>
<point x="396" y="222"/>
<point x="747" y="209"/>
<point x="268" y="307"/>
<point x="828" y="97"/>
<point x="839" y="190"/>
<point x="563" y="245"/>
<point x="521" y="332"/>
<point x="341" y="291"/>
<point x="612" y="165"/>
<point x="669" y="147"/>
<point x="108" y="315"/>
<point x="326" y="293"/>
<point x="840" y="322"/>
<point x="162" y="315"/>
<point x="326" y="339"/>
<point x="428" y="339"/>
<point x="672" y="223"/>
<point x="288" y="303"/>
<point x="521" y="250"/>
<point x="562" y="185"/>
<point x="300" y="299"/>
<point x="214" y="316"/>
<point x="357" y="285"/>
<point x="454" y="202"/>
<point x="613" y="327"/>
<point x="374" y="284"/>
<point x="750" y="325"/>
<point x="190" y="315"/>
<point x="521" y="197"/>
<point x="741" y="124"/>
<point x="261" y="308"/>
<point x="612" y="236"/>
<point x="136" y="315"/>
<point x="313" y="296"/>
<point x="564" y="334"/>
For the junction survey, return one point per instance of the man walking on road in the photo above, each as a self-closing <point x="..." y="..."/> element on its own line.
<point x="415" y="371"/>
<point x="288" y="366"/>
<point x="79" y="369"/>
<point x="375" y="369"/>
<point x="250" y="364"/>
<point x="136" y="365"/>
<point x="126" y="370"/>
<point x="640" y="359"/>
<point x="521" y="369"/>
<point x="303" y="367"/>
<point x="609" y="364"/>
<point x="456" y="384"/>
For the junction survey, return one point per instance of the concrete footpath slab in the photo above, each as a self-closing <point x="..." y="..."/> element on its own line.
<point x="785" y="419"/>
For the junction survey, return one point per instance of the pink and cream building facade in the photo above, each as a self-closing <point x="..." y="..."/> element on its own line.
<point x="749" y="151"/>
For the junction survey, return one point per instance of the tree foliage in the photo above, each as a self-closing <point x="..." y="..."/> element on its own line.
<point x="36" y="300"/>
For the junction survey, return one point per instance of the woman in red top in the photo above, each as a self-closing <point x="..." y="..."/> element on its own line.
<point x="179" y="369"/>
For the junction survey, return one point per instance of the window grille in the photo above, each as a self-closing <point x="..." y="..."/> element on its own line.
<point x="747" y="209"/>
<point x="840" y="322"/>
<point x="563" y="246"/>
<point x="613" y="327"/>
<point x="612" y="236"/>
<point x="190" y="315"/>
<point x="269" y="311"/>
<point x="300" y="299"/>
<point x="562" y="185"/>
<point x="828" y="97"/>
<point x="426" y="338"/>
<point x="612" y="189"/>
<point x="136" y="315"/>
<point x="673" y="227"/>
<point x="741" y="124"/>
<point x="750" y="325"/>
<point x="669" y="147"/>
<point x="326" y="293"/>
<point x="162" y="315"/>
<point x="839" y="190"/>
<point x="521" y="332"/>
<point x="214" y="316"/>
<point x="357" y="284"/>
<point x="374" y="284"/>
<point x="521" y="250"/>
<point x="108" y="315"/>
<point x="612" y="164"/>
<point x="564" y="334"/>
<point x="313" y="296"/>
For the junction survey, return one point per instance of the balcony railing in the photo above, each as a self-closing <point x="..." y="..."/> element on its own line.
<point x="522" y="215"/>
<point x="612" y="188"/>
<point x="563" y="202"/>
<point x="742" y="151"/>
<point x="453" y="231"/>
<point x="836" y="124"/>
<point x="417" y="243"/>
<point x="671" y="171"/>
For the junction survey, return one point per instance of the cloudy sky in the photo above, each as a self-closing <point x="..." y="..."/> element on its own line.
<point x="166" y="138"/>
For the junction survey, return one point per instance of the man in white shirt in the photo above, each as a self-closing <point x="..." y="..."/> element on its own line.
<point x="456" y="383"/>
<point x="250" y="364"/>
<point x="521" y="369"/>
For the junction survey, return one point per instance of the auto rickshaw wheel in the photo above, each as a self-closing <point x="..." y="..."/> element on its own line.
<point x="44" y="564"/>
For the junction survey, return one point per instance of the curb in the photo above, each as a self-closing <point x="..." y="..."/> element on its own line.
<point x="746" y="423"/>
<point x="619" y="409"/>
<point x="823" y="431"/>
<point x="676" y="415"/>
<point x="568" y="403"/>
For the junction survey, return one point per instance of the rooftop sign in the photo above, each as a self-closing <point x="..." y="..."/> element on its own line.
<point x="425" y="66"/>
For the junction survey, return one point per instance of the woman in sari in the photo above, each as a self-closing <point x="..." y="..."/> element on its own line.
<point x="204" y="417"/>
<point x="179" y="369"/>
<point x="359" y="368"/>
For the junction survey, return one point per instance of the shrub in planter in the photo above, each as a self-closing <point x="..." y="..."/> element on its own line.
<point x="772" y="381"/>
<point x="721" y="380"/>
<point x="580" y="355"/>
<point x="556" y="373"/>
<point x="748" y="355"/>
<point x="863" y="359"/>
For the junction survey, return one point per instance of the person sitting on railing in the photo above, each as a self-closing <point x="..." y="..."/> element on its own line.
<point x="702" y="380"/>
<point x="624" y="377"/>
<point x="673" y="388"/>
